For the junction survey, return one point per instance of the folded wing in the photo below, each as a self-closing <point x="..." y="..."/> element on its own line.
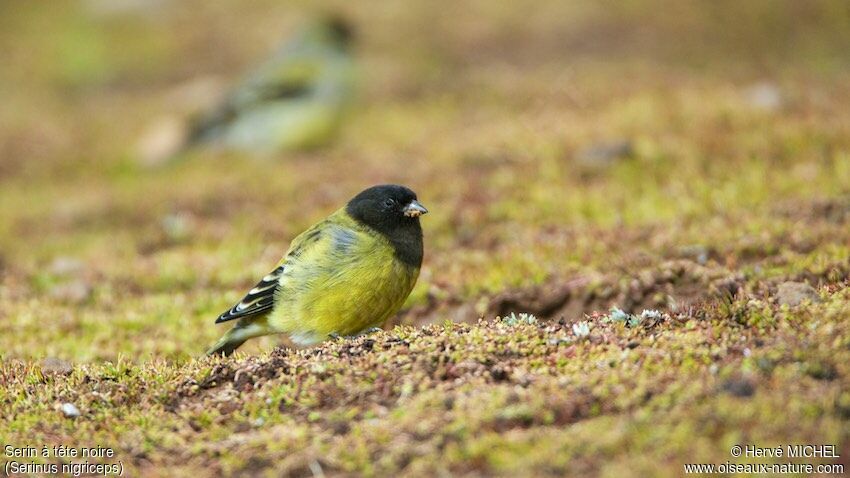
<point x="259" y="300"/>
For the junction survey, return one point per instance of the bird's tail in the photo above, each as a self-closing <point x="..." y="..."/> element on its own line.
<point x="225" y="346"/>
<point x="207" y="128"/>
<point x="158" y="148"/>
<point x="237" y="336"/>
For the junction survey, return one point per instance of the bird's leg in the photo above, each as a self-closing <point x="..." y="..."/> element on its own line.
<point x="335" y="336"/>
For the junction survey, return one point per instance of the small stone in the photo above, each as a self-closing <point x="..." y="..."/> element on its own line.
<point x="55" y="366"/>
<point x="793" y="294"/>
<point x="70" y="410"/>
<point x="696" y="252"/>
<point x="739" y="387"/>
<point x="605" y="153"/>
<point x="64" y="266"/>
<point x="74" y="292"/>
<point x="177" y="227"/>
<point x="559" y="341"/>
<point x="765" y="96"/>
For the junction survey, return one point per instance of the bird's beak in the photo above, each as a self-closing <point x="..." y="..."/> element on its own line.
<point x="414" y="209"/>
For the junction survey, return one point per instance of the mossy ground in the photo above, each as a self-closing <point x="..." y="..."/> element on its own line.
<point x="735" y="178"/>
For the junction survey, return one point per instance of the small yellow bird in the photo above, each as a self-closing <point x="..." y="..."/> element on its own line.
<point x="343" y="276"/>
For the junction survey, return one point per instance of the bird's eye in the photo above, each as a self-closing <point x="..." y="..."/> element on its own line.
<point x="390" y="202"/>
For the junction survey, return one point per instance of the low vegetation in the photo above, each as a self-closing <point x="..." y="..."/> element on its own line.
<point x="637" y="255"/>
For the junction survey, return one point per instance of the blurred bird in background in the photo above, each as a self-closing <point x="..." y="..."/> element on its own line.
<point x="294" y="101"/>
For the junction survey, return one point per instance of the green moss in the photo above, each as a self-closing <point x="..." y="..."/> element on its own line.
<point x="717" y="203"/>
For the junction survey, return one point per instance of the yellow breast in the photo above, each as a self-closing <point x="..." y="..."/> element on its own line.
<point x="347" y="292"/>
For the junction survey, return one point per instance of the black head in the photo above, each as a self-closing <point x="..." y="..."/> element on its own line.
<point x="340" y="30"/>
<point x="393" y="211"/>
<point x="386" y="207"/>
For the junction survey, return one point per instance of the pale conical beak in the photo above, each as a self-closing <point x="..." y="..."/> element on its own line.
<point x="414" y="209"/>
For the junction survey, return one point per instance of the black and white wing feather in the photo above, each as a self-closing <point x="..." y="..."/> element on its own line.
<point x="259" y="300"/>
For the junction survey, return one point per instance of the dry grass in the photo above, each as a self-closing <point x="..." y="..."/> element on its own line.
<point x="732" y="177"/>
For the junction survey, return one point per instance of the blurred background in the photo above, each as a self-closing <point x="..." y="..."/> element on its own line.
<point x="550" y="140"/>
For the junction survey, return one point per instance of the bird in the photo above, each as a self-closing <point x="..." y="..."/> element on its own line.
<point x="294" y="101"/>
<point x="343" y="276"/>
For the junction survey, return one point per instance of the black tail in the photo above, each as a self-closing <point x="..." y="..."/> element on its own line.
<point x="245" y="328"/>
<point x="227" y="344"/>
<point x="207" y="127"/>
